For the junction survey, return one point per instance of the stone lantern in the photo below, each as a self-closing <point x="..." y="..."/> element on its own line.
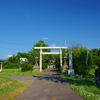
<point x="36" y="59"/>
<point x="65" y="66"/>
<point x="36" y="66"/>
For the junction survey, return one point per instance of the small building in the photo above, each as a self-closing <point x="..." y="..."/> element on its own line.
<point x="23" y="60"/>
<point x="51" y="61"/>
<point x="1" y="65"/>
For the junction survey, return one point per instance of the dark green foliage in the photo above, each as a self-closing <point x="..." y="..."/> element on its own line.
<point x="25" y="67"/>
<point x="57" y="61"/>
<point x="79" y="59"/>
<point x="44" y="65"/>
<point x="45" y="61"/>
<point x="11" y="65"/>
<point x="99" y="52"/>
<point x="41" y="44"/>
<point x="99" y="65"/>
<point x="36" y="52"/>
<point x="96" y="56"/>
<point x="21" y="55"/>
<point x="12" y="59"/>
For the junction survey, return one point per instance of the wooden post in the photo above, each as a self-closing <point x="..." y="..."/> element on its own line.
<point x="31" y="69"/>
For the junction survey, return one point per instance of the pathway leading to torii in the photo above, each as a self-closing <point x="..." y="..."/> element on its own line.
<point x="49" y="86"/>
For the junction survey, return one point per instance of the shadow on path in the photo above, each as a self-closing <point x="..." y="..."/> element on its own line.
<point x="52" y="75"/>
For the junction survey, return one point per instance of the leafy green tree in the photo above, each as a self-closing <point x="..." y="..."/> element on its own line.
<point x="99" y="52"/>
<point x="95" y="55"/>
<point x="11" y="63"/>
<point x="21" y="55"/>
<point x="79" y="59"/>
<point x="36" y="52"/>
<point x="57" y="58"/>
<point x="12" y="59"/>
<point x="25" y="66"/>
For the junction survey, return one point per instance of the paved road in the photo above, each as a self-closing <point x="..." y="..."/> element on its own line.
<point x="29" y="79"/>
<point x="50" y="86"/>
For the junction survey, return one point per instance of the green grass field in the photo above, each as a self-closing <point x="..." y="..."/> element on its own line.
<point x="10" y="88"/>
<point x="16" y="72"/>
<point x="87" y="89"/>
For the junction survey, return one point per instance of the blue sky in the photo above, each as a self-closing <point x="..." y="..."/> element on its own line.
<point x="24" y="22"/>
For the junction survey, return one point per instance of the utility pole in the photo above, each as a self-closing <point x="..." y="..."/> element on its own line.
<point x="65" y="43"/>
<point x="66" y="49"/>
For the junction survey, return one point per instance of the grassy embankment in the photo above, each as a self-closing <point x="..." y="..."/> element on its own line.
<point x="10" y="88"/>
<point x="86" y="88"/>
<point x="16" y="72"/>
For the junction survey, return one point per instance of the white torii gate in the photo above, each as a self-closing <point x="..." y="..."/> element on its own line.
<point x="60" y="48"/>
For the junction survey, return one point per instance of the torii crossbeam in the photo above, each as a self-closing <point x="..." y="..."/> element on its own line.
<point x="60" y="48"/>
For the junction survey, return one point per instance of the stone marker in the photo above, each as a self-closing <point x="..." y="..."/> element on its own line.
<point x="65" y="66"/>
<point x="36" y="66"/>
<point x="70" y="70"/>
<point x="1" y="66"/>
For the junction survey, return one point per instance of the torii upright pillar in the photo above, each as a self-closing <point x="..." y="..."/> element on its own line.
<point x="60" y="59"/>
<point x="40" y="60"/>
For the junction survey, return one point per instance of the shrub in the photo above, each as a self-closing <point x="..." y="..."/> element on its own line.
<point x="99" y="65"/>
<point x="25" y="66"/>
<point x="79" y="60"/>
<point x="44" y="65"/>
<point x="11" y="65"/>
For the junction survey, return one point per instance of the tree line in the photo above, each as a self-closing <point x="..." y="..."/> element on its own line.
<point x="79" y="54"/>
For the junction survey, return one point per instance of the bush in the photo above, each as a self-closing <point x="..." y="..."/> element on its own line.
<point x="44" y="65"/>
<point x="79" y="60"/>
<point x="11" y="65"/>
<point x="99" y="65"/>
<point x="25" y="66"/>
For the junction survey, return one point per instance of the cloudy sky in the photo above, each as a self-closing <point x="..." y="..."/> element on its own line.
<point x="24" y="22"/>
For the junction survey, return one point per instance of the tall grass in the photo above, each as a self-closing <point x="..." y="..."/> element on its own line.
<point x="10" y="88"/>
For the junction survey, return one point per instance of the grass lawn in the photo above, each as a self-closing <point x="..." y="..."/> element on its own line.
<point x="10" y="88"/>
<point x="87" y="89"/>
<point x="16" y="72"/>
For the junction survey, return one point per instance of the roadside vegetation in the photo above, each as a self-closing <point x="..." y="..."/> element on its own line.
<point x="10" y="88"/>
<point x="14" y="61"/>
<point x="16" y="72"/>
<point x="85" y="87"/>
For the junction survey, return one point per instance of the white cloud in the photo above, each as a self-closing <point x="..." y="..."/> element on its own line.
<point x="45" y="38"/>
<point x="9" y="55"/>
<point x="53" y="45"/>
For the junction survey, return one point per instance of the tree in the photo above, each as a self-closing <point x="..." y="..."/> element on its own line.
<point x="21" y="55"/>
<point x="79" y="59"/>
<point x="95" y="54"/>
<point x="36" y="52"/>
<point x="11" y="63"/>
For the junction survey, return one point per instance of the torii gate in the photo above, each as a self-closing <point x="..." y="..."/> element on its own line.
<point x="60" y="48"/>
